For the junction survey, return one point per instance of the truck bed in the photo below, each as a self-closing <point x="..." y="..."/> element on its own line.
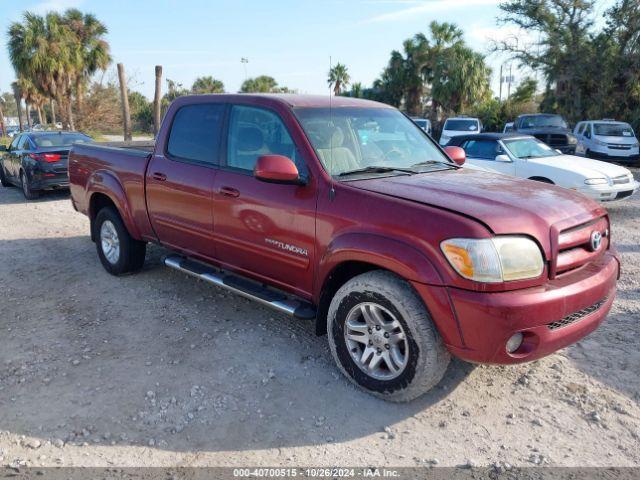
<point x="118" y="169"/>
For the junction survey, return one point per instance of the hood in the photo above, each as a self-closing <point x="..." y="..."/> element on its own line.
<point x="504" y="204"/>
<point x="617" y="140"/>
<point x="582" y="166"/>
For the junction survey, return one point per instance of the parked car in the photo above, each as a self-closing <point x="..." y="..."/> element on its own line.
<point x="459" y="126"/>
<point x="37" y="161"/>
<point x="346" y="213"/>
<point x="12" y="131"/>
<point x="423" y="123"/>
<point x="527" y="157"/>
<point x="550" y="129"/>
<point x="508" y="127"/>
<point x="607" y="140"/>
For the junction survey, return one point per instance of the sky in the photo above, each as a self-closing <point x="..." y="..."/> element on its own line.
<point x="290" y="40"/>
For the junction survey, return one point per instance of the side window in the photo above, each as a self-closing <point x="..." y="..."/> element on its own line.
<point x="23" y="143"/>
<point x="195" y="133"/>
<point x="14" y="144"/>
<point x="484" y="149"/>
<point x="254" y="132"/>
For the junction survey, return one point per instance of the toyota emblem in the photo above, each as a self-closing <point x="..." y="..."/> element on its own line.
<point x="596" y="240"/>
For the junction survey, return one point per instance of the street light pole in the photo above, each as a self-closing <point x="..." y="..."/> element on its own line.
<point x="244" y="62"/>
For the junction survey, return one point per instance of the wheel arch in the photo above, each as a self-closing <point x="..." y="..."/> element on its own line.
<point x="538" y="178"/>
<point x="105" y="190"/>
<point x="355" y="254"/>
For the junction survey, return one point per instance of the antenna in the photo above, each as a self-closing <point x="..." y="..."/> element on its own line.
<point x="332" y="190"/>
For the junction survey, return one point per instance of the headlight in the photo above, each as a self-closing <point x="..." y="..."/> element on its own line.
<point x="599" y="142"/>
<point x="494" y="260"/>
<point x="572" y="140"/>
<point x="596" y="181"/>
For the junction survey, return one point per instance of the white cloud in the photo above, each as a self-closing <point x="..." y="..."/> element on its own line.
<point x="55" y="6"/>
<point x="428" y="6"/>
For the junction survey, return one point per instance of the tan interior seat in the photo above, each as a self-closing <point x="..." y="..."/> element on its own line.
<point x="335" y="156"/>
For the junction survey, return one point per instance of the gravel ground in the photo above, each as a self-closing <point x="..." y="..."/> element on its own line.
<point x="160" y="369"/>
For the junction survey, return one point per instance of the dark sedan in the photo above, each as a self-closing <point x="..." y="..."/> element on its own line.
<point x="37" y="161"/>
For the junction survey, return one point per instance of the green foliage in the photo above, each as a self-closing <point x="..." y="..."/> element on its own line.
<point x="263" y="84"/>
<point x="338" y="78"/>
<point x="141" y="112"/>
<point x="207" y="84"/>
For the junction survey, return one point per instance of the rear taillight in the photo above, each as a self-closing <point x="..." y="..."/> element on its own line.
<point x="46" y="157"/>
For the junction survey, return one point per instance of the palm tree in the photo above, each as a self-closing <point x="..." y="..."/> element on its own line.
<point x="261" y="84"/>
<point x="91" y="49"/>
<point x="32" y="97"/>
<point x="338" y="78"/>
<point x="44" y="50"/>
<point x="207" y="85"/>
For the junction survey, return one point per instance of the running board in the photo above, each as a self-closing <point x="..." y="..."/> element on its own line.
<point x="242" y="286"/>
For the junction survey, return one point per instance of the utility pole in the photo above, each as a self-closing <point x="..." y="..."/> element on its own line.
<point x="124" y="95"/>
<point x="501" y="65"/>
<point x="157" y="99"/>
<point x="244" y="62"/>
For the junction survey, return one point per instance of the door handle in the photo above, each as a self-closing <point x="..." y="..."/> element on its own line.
<point x="229" y="192"/>
<point x="161" y="177"/>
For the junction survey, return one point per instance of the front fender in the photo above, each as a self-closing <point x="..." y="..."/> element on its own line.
<point x="394" y="255"/>
<point x="104" y="182"/>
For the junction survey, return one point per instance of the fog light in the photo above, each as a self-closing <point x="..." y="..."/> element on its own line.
<point x="514" y="342"/>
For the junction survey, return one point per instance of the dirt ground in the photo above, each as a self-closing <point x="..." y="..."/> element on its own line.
<point x="160" y="369"/>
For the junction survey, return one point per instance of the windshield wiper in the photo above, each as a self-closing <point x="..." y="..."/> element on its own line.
<point x="376" y="169"/>
<point x="431" y="162"/>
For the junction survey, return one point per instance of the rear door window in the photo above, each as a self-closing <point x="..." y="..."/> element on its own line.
<point x="195" y="133"/>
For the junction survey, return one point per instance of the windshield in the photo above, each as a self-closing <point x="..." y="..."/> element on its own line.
<point x="60" y="139"/>
<point x="613" y="130"/>
<point x="420" y="122"/>
<point x="461" y="125"/>
<point x="543" y="121"/>
<point x="350" y="139"/>
<point x="529" y="148"/>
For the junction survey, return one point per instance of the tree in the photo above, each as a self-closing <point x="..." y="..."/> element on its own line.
<point x="208" y="84"/>
<point x="563" y="28"/>
<point x="174" y="90"/>
<point x="338" y="78"/>
<point x="17" y="95"/>
<point x="124" y="98"/>
<point x="91" y="49"/>
<point x="262" y="84"/>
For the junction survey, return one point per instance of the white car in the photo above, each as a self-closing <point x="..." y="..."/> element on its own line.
<point x="454" y="127"/>
<point x="423" y="123"/>
<point x="607" y="140"/>
<point x="527" y="157"/>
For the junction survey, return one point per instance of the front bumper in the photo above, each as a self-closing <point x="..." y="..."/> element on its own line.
<point x="627" y="157"/>
<point x="607" y="193"/>
<point x="486" y="321"/>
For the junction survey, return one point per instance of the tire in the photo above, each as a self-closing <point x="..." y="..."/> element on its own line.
<point x="111" y="232"/>
<point x="3" y="179"/>
<point x="386" y="296"/>
<point x="28" y="192"/>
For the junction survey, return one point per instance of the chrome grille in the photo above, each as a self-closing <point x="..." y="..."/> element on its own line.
<point x="575" y="316"/>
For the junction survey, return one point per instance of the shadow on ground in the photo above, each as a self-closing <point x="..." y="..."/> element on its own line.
<point x="15" y="196"/>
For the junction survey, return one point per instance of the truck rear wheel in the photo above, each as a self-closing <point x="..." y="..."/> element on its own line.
<point x="117" y="250"/>
<point x="383" y="339"/>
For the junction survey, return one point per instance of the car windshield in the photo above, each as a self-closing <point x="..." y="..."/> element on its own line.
<point x="60" y="139"/>
<point x="543" y="121"/>
<point x="529" y="148"/>
<point x="457" y="125"/>
<point x="420" y="122"/>
<point x="613" y="130"/>
<point x="352" y="139"/>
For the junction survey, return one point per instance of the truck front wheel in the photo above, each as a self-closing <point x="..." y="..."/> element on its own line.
<point x="383" y="339"/>
<point x="118" y="251"/>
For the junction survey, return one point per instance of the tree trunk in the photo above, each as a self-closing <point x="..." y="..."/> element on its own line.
<point x="29" y="121"/>
<point x="40" y="117"/>
<point x="80" y="101"/>
<point x="157" y="101"/>
<point x="124" y="96"/>
<point x="52" y="105"/>
<point x="72" y="125"/>
<point x="3" y="130"/>
<point x="63" y="111"/>
<point x="18" y="97"/>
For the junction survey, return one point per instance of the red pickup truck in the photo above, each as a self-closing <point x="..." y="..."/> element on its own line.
<point x="345" y="212"/>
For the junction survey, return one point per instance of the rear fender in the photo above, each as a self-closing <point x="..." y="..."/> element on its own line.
<point x="108" y="184"/>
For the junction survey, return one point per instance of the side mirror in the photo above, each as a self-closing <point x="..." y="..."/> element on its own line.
<point x="277" y="169"/>
<point x="456" y="154"/>
<point x="3" y="148"/>
<point x="503" y="158"/>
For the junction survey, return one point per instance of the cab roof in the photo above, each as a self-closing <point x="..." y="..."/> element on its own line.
<point x="294" y="100"/>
